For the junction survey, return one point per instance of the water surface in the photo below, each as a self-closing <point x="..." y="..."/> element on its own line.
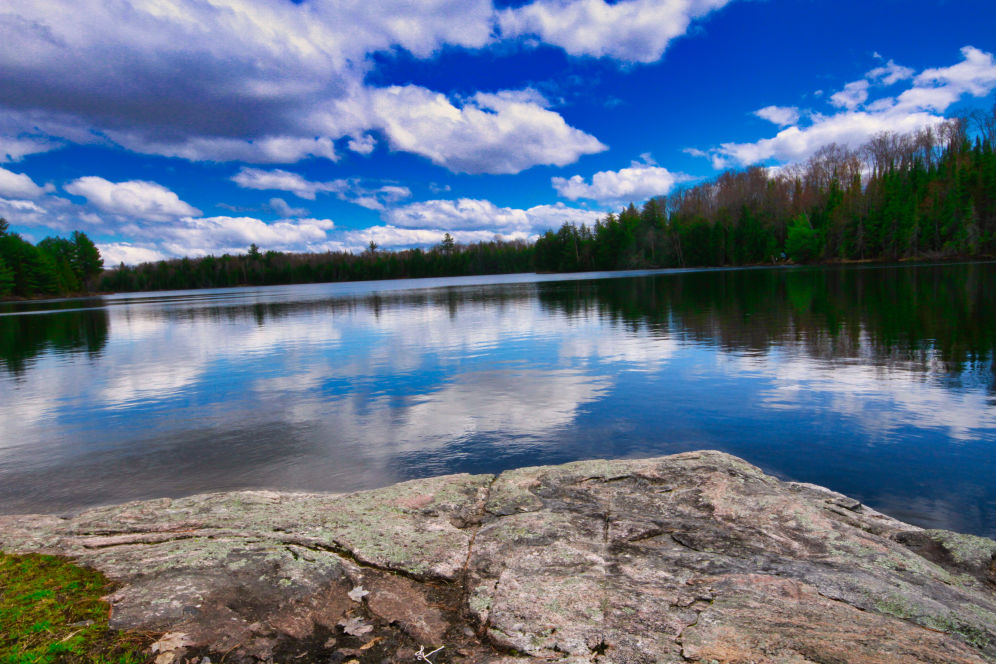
<point x="875" y="381"/>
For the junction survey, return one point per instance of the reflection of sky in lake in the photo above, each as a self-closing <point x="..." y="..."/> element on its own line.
<point x="334" y="388"/>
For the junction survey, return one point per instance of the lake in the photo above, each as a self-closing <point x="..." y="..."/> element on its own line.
<point x="876" y="381"/>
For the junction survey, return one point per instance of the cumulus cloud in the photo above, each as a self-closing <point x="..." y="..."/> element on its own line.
<point x="260" y="82"/>
<point x="353" y="190"/>
<point x="466" y="214"/>
<point x="504" y="132"/>
<point x="392" y="237"/>
<point x="938" y="88"/>
<point x="852" y="128"/>
<point x="629" y="30"/>
<point x="47" y="211"/>
<point x="929" y="94"/>
<point x="19" y="185"/>
<point x="217" y="235"/>
<point x="779" y="115"/>
<point x="638" y="181"/>
<point x="134" y="198"/>
<point x="853" y="95"/>
<point x="115" y="253"/>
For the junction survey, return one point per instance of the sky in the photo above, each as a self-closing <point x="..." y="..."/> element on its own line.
<point x="166" y="128"/>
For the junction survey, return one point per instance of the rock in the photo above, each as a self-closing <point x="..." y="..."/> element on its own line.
<point x="697" y="557"/>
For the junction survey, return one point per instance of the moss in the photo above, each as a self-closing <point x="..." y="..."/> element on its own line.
<point x="965" y="549"/>
<point x="899" y="607"/>
<point x="51" y="611"/>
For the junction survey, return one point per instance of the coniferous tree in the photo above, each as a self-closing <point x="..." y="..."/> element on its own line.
<point x="6" y="278"/>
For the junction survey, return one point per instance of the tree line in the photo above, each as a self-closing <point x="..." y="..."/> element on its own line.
<point x="259" y="268"/>
<point x="928" y="194"/>
<point x="930" y="317"/>
<point x="56" y="266"/>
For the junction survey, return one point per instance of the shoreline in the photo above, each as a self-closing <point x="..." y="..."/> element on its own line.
<point x="902" y="262"/>
<point x="690" y="557"/>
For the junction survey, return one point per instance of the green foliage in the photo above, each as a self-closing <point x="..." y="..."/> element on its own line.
<point x="56" y="266"/>
<point x="34" y="271"/>
<point x="51" y="611"/>
<point x="86" y="261"/>
<point x="802" y="244"/>
<point x="917" y="197"/>
<point x="6" y="278"/>
<point x="274" y="267"/>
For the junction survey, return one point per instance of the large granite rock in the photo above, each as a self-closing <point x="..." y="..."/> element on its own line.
<point x="696" y="557"/>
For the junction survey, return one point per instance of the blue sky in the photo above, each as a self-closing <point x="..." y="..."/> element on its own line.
<point x="186" y="127"/>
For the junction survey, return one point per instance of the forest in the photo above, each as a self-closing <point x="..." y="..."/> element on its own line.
<point x="258" y="268"/>
<point x="930" y="194"/>
<point x="54" y="267"/>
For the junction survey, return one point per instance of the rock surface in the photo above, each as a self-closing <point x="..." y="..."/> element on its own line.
<point x="697" y="557"/>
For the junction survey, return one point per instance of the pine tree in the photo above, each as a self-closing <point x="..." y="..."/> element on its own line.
<point x="87" y="261"/>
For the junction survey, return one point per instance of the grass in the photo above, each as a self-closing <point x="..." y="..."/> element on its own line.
<point x="51" y="613"/>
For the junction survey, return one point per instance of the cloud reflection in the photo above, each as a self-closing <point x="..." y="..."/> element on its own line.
<point x="345" y="387"/>
<point x="882" y="398"/>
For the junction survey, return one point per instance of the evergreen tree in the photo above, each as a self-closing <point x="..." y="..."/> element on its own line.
<point x="86" y="262"/>
<point x="802" y="244"/>
<point x="6" y="278"/>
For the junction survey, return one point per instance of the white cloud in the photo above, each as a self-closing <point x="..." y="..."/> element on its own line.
<point x="134" y="198"/>
<point x="779" y="115"/>
<point x="115" y="253"/>
<point x="254" y="178"/>
<point x="217" y="235"/>
<point x="13" y="148"/>
<point x="352" y="190"/>
<point x="259" y="82"/>
<point x="392" y="237"/>
<point x="48" y="211"/>
<point x="504" y="132"/>
<point x="19" y="185"/>
<point x="890" y="73"/>
<point x="637" y="182"/>
<point x="481" y="215"/>
<point x="932" y="92"/>
<point x="939" y="88"/>
<point x="265" y="150"/>
<point x="853" y="95"/>
<point x="363" y="145"/>
<point x="19" y="206"/>
<point x="377" y="198"/>
<point x="629" y="30"/>
<point x="281" y="207"/>
<point x="851" y="128"/>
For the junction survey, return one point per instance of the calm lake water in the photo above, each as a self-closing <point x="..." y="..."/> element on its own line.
<point x="876" y="381"/>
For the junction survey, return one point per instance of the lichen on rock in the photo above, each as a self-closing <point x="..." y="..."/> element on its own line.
<point x="695" y="557"/>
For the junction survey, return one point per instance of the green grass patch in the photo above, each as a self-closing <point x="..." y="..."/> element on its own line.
<point x="51" y="613"/>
